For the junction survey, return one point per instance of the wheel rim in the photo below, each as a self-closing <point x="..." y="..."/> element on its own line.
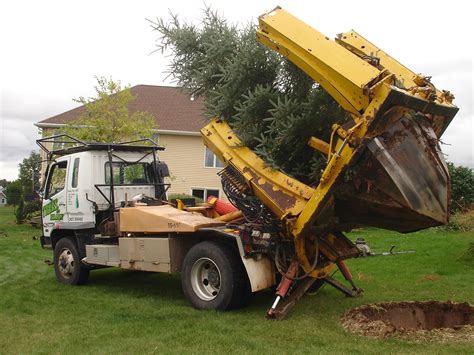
<point x="66" y="263"/>
<point x="205" y="279"/>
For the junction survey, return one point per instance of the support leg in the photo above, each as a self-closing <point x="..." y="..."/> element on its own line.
<point x="285" y="307"/>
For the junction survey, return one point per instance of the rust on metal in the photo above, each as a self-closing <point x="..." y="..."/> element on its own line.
<point x="284" y="200"/>
<point x="401" y="181"/>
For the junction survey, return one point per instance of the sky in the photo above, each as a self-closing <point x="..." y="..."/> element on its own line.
<point x="51" y="51"/>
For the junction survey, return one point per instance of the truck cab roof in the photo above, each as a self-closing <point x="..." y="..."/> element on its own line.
<point x="63" y="144"/>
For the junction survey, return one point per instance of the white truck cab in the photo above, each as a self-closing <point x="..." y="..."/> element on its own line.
<point x="88" y="181"/>
<point x="106" y="205"/>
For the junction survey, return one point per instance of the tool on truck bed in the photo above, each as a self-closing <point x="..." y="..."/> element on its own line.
<point x="384" y="169"/>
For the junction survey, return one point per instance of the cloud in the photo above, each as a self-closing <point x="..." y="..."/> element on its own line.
<point x="17" y="141"/>
<point x="32" y="106"/>
<point x="52" y="57"/>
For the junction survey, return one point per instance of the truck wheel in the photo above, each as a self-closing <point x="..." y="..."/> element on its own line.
<point x="213" y="277"/>
<point x="67" y="263"/>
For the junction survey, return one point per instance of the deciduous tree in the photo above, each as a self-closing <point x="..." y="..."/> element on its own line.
<point x="107" y="117"/>
<point x="462" y="187"/>
<point x="29" y="173"/>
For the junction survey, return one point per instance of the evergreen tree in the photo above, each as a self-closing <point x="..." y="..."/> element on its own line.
<point x="14" y="192"/>
<point x="271" y="104"/>
<point x="20" y="213"/>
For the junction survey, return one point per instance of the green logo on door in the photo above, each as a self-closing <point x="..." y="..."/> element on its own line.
<point x="51" y="207"/>
<point x="56" y="217"/>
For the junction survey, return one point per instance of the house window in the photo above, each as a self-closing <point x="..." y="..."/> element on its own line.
<point x="3" y="200"/>
<point x="204" y="193"/>
<point x="211" y="161"/>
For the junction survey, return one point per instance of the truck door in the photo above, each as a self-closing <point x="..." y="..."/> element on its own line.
<point x="77" y="207"/>
<point x="54" y="202"/>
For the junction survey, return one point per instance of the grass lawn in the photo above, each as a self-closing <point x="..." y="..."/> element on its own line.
<point x="129" y="312"/>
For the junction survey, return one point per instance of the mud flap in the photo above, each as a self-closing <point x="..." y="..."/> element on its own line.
<point x="260" y="273"/>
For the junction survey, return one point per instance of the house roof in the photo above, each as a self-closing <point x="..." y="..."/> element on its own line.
<point x="172" y="108"/>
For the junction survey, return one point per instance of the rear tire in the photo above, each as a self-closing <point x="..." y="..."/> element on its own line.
<point x="213" y="277"/>
<point x="67" y="263"/>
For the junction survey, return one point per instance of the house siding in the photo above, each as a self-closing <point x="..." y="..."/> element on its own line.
<point x="3" y="199"/>
<point x="185" y="158"/>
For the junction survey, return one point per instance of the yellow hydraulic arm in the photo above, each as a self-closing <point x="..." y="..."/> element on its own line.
<point x="344" y="76"/>
<point x="365" y="81"/>
<point x="348" y="68"/>
<point x="352" y="71"/>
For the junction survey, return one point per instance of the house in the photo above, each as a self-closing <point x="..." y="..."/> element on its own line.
<point x="3" y="197"/>
<point x="179" y="118"/>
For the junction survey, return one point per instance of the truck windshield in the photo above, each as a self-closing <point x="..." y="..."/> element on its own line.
<point x="129" y="173"/>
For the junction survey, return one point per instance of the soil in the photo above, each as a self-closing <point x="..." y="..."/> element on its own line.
<point x="418" y="321"/>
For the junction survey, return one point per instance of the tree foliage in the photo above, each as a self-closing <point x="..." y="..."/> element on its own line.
<point x="32" y="208"/>
<point x="29" y="173"/>
<point x="20" y="213"/>
<point x="14" y="192"/>
<point x="107" y="117"/>
<point x="462" y="187"/>
<point x="272" y="105"/>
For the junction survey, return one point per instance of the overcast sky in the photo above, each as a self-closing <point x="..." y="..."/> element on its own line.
<point x="51" y="51"/>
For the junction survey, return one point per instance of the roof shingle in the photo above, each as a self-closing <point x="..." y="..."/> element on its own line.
<point x="172" y="108"/>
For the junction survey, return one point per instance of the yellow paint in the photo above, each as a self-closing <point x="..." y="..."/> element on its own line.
<point x="319" y="144"/>
<point x="342" y="74"/>
<point x="362" y="84"/>
<point x="220" y="138"/>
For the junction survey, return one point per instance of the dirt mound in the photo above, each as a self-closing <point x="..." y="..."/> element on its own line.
<point x="431" y="320"/>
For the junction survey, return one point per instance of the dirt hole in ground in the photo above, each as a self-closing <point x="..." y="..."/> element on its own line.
<point x="416" y="320"/>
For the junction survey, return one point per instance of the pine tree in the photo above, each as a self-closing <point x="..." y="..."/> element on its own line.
<point x="271" y="104"/>
<point x="20" y="213"/>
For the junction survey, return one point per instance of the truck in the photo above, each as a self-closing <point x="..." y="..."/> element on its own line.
<point x="105" y="205"/>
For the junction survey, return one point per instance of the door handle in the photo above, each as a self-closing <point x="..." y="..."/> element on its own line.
<point x="61" y="204"/>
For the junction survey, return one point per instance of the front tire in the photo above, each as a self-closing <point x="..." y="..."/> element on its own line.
<point x="213" y="277"/>
<point x="67" y="263"/>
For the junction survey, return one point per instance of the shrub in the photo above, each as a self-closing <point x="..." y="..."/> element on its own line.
<point x="20" y="214"/>
<point x="462" y="187"/>
<point x="32" y="207"/>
